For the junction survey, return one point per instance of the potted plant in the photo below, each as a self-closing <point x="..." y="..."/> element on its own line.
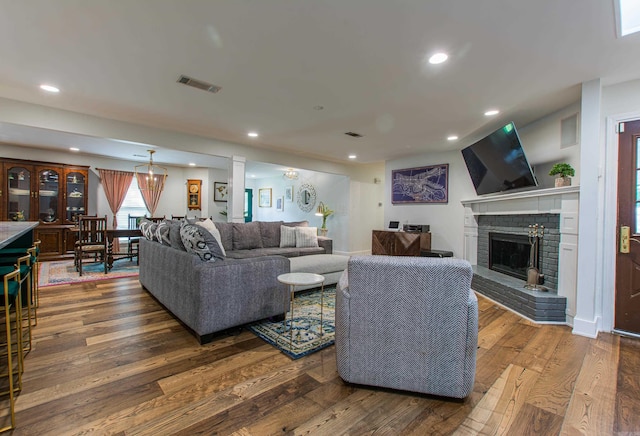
<point x="563" y="172"/>
<point x="324" y="212"/>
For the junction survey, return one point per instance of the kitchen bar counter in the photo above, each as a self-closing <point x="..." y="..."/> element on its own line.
<point x="16" y="233"/>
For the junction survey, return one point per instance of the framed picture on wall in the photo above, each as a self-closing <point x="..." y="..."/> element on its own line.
<point x="219" y="191"/>
<point x="264" y="197"/>
<point x="288" y="193"/>
<point x="280" y="204"/>
<point x="420" y="185"/>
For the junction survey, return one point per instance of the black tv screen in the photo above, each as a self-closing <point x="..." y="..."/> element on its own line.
<point x="497" y="162"/>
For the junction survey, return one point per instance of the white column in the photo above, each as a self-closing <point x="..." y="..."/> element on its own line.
<point x="235" y="211"/>
<point x="470" y="247"/>
<point x="586" y="321"/>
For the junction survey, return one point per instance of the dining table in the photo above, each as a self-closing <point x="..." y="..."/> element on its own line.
<point x="119" y="233"/>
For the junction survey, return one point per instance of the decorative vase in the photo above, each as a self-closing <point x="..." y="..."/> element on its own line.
<point x="563" y="181"/>
<point x="322" y="232"/>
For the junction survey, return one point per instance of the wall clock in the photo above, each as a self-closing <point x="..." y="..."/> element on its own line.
<point x="194" y="188"/>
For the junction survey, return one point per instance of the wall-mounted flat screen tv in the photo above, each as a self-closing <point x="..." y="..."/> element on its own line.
<point x="497" y="162"/>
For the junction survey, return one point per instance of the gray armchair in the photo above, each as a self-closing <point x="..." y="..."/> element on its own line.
<point x="408" y="323"/>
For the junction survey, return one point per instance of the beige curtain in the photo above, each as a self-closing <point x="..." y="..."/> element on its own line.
<point x="151" y="189"/>
<point x="115" y="185"/>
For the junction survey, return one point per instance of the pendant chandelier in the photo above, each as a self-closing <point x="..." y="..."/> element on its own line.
<point x="291" y="174"/>
<point x="150" y="176"/>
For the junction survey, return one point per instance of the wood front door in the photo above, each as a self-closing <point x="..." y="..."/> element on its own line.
<point x="627" y="293"/>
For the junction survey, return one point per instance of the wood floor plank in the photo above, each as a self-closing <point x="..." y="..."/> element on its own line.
<point x="495" y="413"/>
<point x="108" y="359"/>
<point x="248" y="412"/>
<point x="493" y="332"/>
<point x="555" y="386"/>
<point x="344" y="414"/>
<point x="593" y="403"/>
<point x="541" y="347"/>
<point x="628" y="387"/>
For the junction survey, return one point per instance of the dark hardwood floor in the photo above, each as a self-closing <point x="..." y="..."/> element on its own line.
<point x="108" y="359"/>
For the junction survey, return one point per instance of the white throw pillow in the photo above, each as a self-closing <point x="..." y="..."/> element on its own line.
<point x="306" y="237"/>
<point x="209" y="225"/>
<point x="287" y="236"/>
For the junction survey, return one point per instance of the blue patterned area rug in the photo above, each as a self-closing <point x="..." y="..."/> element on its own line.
<point x="306" y="325"/>
<point x="64" y="272"/>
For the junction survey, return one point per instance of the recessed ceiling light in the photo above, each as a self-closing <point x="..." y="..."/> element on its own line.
<point x="452" y="138"/>
<point x="253" y="176"/>
<point x="252" y="134"/>
<point x="492" y="112"/>
<point x="192" y="164"/>
<point x="49" y="88"/>
<point x="74" y="149"/>
<point x="352" y="156"/>
<point x="438" y="58"/>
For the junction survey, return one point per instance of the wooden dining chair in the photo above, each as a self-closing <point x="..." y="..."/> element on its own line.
<point x="92" y="241"/>
<point x="133" y="242"/>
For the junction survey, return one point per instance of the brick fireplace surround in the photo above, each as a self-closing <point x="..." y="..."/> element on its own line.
<point x="512" y="213"/>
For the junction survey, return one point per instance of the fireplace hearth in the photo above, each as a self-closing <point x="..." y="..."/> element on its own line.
<point x="510" y="254"/>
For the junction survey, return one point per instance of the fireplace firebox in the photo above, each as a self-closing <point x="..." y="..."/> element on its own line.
<point x="509" y="254"/>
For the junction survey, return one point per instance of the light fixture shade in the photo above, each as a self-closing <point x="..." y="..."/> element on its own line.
<point x="320" y="210"/>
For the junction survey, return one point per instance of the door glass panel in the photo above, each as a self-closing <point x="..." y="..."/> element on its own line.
<point x="75" y="196"/>
<point x="48" y="194"/>
<point x="19" y="184"/>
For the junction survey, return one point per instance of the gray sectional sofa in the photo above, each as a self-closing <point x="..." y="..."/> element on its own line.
<point x="211" y="296"/>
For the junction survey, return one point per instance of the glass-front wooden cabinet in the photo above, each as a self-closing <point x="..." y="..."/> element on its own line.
<point x="75" y="194"/>
<point x="54" y="194"/>
<point x="48" y="195"/>
<point x="19" y="192"/>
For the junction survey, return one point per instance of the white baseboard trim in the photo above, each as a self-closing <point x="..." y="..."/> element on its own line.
<point x="588" y="328"/>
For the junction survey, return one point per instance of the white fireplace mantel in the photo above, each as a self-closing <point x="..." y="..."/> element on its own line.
<point x="563" y="201"/>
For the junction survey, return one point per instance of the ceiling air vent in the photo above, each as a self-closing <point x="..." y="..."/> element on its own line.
<point x="354" y="134"/>
<point x="198" y="84"/>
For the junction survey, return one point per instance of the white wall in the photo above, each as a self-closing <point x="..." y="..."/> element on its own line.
<point x="331" y="189"/>
<point x="446" y="220"/>
<point x="366" y="212"/>
<point x="215" y="207"/>
<point x="541" y="141"/>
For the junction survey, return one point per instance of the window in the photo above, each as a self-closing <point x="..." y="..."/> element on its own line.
<point x="627" y="16"/>
<point x="133" y="205"/>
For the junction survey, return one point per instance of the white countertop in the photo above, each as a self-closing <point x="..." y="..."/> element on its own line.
<point x="12" y="230"/>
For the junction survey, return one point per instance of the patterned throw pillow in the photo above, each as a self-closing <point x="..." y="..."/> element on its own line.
<point x="162" y="232"/>
<point x="306" y="237"/>
<point x="287" y="236"/>
<point x="148" y="229"/>
<point x="174" y="236"/>
<point x="200" y="242"/>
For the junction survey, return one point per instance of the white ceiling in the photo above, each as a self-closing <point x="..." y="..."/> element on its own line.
<point x="363" y="61"/>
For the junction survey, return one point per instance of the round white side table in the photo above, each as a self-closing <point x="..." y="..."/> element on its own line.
<point x="300" y="279"/>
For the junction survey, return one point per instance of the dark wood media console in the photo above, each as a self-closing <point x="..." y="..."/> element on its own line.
<point x="399" y="243"/>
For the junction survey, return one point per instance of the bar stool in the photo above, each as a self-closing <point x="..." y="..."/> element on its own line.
<point x="23" y="264"/>
<point x="7" y="256"/>
<point x="30" y="289"/>
<point x="12" y="299"/>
